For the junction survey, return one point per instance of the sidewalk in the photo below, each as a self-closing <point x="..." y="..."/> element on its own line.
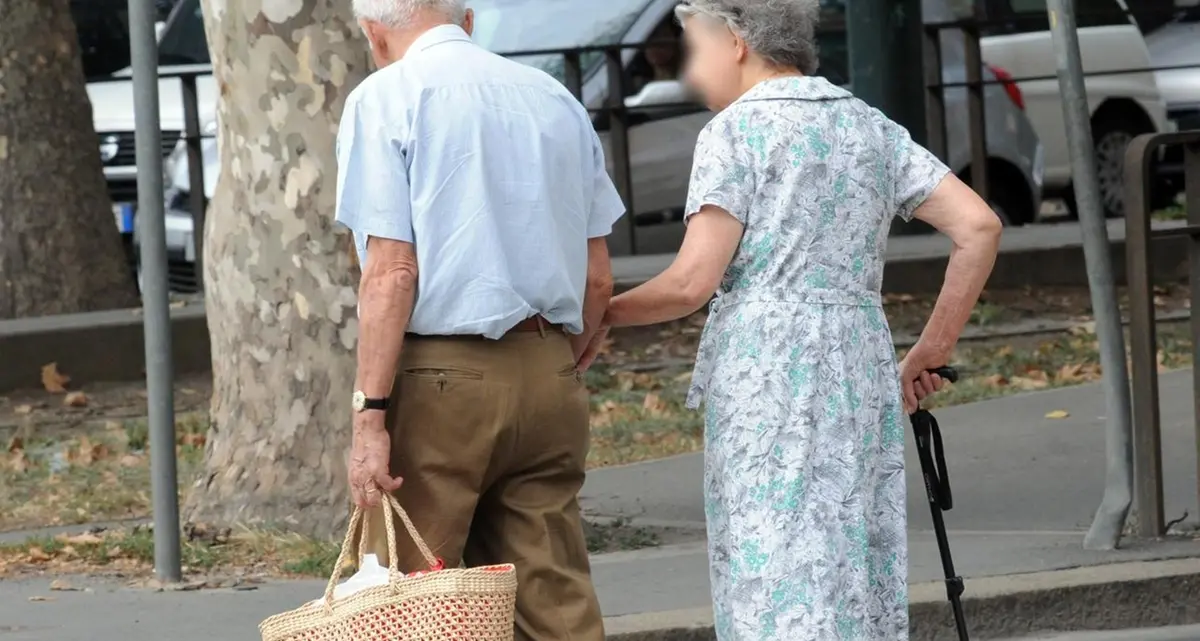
<point x="1025" y="489"/>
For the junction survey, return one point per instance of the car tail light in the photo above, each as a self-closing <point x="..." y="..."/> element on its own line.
<point x="1010" y="87"/>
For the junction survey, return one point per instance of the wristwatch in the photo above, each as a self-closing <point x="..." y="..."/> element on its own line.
<point x="361" y="403"/>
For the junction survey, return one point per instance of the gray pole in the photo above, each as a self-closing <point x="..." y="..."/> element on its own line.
<point x="152" y="231"/>
<point x="1109" y="521"/>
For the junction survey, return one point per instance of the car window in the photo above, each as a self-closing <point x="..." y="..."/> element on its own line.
<point x="661" y="59"/>
<point x="183" y="41"/>
<point x="103" y="32"/>
<point x="509" y="26"/>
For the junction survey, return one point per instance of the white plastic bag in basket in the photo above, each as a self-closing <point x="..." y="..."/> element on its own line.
<point x="370" y="574"/>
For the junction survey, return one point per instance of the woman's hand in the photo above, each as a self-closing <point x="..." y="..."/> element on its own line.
<point x="915" y="379"/>
<point x="593" y="349"/>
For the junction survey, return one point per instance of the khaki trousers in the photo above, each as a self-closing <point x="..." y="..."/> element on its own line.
<point x="491" y="439"/>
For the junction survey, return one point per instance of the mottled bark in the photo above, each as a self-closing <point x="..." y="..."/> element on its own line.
<point x="60" y="251"/>
<point x="279" y="282"/>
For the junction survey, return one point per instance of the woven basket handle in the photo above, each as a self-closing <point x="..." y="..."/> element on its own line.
<point x="358" y="520"/>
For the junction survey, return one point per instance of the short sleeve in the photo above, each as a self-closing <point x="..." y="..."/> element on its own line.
<point x="372" y="180"/>
<point x="916" y="171"/>
<point x="606" y="207"/>
<point x="722" y="173"/>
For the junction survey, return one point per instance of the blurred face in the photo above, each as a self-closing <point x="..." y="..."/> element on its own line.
<point x="714" y="61"/>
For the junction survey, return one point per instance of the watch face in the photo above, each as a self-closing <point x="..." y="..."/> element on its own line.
<point x="359" y="401"/>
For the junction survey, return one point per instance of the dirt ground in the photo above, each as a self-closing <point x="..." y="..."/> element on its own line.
<point x="46" y="413"/>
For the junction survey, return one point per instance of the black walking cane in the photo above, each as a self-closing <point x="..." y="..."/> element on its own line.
<point x="937" y="488"/>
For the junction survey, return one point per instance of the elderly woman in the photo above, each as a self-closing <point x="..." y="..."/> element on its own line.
<point x="794" y="186"/>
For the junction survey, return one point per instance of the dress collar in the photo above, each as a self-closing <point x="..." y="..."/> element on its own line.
<point x="795" y="88"/>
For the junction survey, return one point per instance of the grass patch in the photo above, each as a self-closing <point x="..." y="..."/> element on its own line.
<point x="992" y="371"/>
<point x="618" y="535"/>
<point x="131" y="551"/>
<point x="98" y="473"/>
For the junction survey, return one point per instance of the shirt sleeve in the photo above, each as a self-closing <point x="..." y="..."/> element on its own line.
<point x="606" y="207"/>
<point x="722" y="173"/>
<point x="917" y="171"/>
<point x="372" y="181"/>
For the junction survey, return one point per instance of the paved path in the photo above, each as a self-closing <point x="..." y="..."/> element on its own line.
<point x="1025" y="488"/>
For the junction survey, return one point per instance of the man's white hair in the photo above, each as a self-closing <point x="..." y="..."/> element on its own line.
<point x="397" y="13"/>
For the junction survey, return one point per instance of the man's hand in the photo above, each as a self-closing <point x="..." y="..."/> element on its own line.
<point x="370" y="456"/>
<point x="592" y="350"/>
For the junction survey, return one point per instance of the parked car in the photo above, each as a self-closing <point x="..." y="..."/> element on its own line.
<point x="661" y="141"/>
<point x="182" y="49"/>
<point x="1122" y="105"/>
<point x="1177" y="44"/>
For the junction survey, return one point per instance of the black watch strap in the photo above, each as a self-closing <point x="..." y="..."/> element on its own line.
<point x="375" y="404"/>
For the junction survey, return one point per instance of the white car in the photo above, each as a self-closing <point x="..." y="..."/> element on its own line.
<point x="112" y="114"/>
<point x="1122" y="105"/>
<point x="1175" y="52"/>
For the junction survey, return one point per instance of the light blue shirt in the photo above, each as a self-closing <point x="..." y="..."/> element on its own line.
<point x="491" y="169"/>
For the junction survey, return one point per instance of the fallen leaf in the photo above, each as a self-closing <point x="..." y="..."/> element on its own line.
<point x="1083" y="329"/>
<point x="15" y="443"/>
<point x="41" y="598"/>
<point x="23" y="409"/>
<point x="54" y="381"/>
<point x="1029" y="383"/>
<point x="654" y="404"/>
<point x="87" y="538"/>
<point x="61" y="585"/>
<point x="1058" y="414"/>
<point x="131" y="460"/>
<point x="18" y="462"/>
<point x="75" y="399"/>
<point x="38" y="555"/>
<point x="995" y="380"/>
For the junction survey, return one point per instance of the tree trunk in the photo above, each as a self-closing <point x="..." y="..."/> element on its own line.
<point x="60" y="251"/>
<point x="279" y="282"/>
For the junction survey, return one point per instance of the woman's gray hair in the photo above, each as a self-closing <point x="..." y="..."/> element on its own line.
<point x="783" y="32"/>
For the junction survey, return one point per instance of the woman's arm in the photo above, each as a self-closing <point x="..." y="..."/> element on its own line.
<point x="708" y="245"/>
<point x="958" y="212"/>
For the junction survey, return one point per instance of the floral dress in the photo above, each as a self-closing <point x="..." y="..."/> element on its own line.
<point x="804" y="425"/>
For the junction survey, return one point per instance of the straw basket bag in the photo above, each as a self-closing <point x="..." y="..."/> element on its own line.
<point x="476" y="604"/>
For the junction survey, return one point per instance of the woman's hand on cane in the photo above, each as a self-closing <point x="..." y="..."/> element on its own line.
<point x="916" y="381"/>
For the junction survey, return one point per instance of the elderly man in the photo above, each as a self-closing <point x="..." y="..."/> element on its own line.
<point x="478" y="197"/>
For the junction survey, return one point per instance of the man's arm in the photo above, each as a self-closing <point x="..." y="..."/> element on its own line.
<point x="373" y="200"/>
<point x="386" y="296"/>
<point x="596" y="295"/>
<point x="606" y="208"/>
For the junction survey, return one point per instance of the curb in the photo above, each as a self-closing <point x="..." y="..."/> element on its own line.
<point x="1142" y="594"/>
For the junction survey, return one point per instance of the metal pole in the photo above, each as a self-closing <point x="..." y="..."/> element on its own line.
<point x="1191" y="186"/>
<point x="977" y="110"/>
<point x="143" y="49"/>
<point x="1109" y="521"/>
<point x="880" y="34"/>
<point x="195" y="155"/>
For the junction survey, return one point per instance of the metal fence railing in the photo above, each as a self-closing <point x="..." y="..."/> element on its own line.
<point x="1139" y="238"/>
<point x="598" y="75"/>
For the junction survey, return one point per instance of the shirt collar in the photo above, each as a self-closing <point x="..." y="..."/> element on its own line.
<point x="438" y="35"/>
<point x="795" y="88"/>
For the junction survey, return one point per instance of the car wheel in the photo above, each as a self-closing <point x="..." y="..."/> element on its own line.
<point x="1110" y="138"/>
<point x="998" y="206"/>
